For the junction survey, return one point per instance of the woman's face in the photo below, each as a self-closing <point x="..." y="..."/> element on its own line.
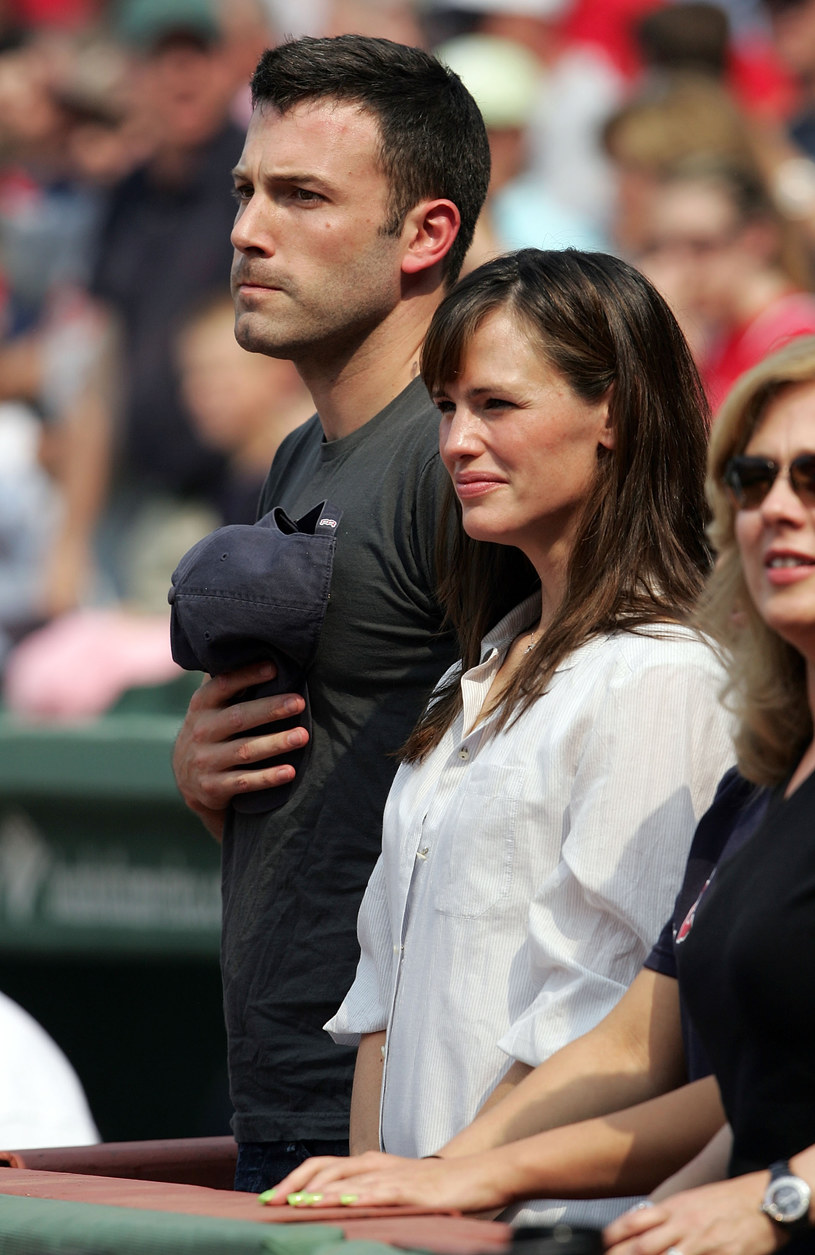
<point x="519" y="445"/>
<point x="777" y="538"/>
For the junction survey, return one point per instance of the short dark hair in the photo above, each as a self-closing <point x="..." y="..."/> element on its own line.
<point x="640" y="553"/>
<point x="433" y="139"/>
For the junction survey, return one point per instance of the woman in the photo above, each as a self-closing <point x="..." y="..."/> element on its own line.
<point x="528" y="859"/>
<point x="753" y="1006"/>
<point x="760" y="1036"/>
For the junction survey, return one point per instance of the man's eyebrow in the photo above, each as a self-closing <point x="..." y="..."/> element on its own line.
<point x="288" y="175"/>
<point x="294" y="176"/>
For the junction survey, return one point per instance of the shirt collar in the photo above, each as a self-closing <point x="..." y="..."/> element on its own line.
<point x="512" y="624"/>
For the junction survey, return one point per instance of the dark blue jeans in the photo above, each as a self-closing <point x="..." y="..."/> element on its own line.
<point x="262" y="1164"/>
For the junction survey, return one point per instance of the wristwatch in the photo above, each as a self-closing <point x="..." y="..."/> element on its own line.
<point x="787" y="1199"/>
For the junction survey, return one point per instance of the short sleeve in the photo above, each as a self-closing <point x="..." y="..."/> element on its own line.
<point x="732" y="816"/>
<point x="661" y="959"/>
<point x="430" y="518"/>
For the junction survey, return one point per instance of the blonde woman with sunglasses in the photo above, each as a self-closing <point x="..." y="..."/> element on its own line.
<point x="747" y="966"/>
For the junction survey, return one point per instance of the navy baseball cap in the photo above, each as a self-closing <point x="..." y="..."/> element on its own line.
<point x="252" y="593"/>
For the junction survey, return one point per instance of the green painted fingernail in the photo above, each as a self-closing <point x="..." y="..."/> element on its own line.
<point x="347" y="1199"/>
<point x="300" y="1200"/>
<point x="267" y="1195"/>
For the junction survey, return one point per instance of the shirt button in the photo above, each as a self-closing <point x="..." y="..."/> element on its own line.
<point x="464" y="753"/>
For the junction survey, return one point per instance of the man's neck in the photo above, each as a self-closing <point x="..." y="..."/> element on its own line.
<point x="348" y="394"/>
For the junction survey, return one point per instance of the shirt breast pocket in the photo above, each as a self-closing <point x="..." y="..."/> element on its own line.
<point x="475" y="847"/>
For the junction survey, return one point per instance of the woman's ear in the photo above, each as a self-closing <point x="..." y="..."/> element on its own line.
<point x="607" y="438"/>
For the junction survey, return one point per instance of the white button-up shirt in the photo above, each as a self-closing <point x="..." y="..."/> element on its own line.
<point x="524" y="875"/>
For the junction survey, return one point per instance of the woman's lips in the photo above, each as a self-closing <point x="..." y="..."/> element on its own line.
<point x="787" y="567"/>
<point x="474" y="485"/>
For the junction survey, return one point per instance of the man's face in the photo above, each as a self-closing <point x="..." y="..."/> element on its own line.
<point x="313" y="273"/>
<point x="696" y="227"/>
<point x="183" y="91"/>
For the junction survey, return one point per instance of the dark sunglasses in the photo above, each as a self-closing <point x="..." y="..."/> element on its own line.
<point x="750" y="479"/>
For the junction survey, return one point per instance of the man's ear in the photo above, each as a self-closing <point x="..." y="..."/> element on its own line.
<point x="428" y="234"/>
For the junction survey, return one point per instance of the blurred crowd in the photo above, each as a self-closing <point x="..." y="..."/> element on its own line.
<point x="680" y="136"/>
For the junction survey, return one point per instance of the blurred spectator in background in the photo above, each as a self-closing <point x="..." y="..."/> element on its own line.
<point x="95" y="351"/>
<point x="163" y="244"/>
<point x="666" y="121"/>
<point x="508" y="81"/>
<point x="246" y="29"/>
<point x="697" y="37"/>
<point x="400" y="20"/>
<point x="62" y="140"/>
<point x="792" y="23"/>
<point x="743" y="267"/>
<point x="792" y="168"/>
<point x="29" y="506"/>
<point x="64" y="137"/>
<point x="598" y="54"/>
<point x="42" y="1102"/>
<point x="54" y="14"/>
<point x="692" y="37"/>
<point x="683" y="102"/>
<point x="583" y="83"/>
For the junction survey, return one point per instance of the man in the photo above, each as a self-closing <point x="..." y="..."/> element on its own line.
<point x="365" y="166"/>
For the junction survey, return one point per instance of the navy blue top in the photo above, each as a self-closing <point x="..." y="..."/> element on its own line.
<point x="745" y="969"/>
<point x="733" y="816"/>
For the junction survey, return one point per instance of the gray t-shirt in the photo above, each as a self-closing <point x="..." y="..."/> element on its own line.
<point x="293" y="878"/>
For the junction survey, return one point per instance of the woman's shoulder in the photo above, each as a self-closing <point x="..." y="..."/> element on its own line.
<point x="656" y="645"/>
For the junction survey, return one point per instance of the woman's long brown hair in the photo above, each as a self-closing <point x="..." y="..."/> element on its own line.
<point x="640" y="554"/>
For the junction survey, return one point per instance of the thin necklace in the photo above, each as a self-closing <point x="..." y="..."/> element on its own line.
<point x="531" y="644"/>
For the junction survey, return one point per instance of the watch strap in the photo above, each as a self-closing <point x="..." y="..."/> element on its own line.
<point x="778" y="1170"/>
